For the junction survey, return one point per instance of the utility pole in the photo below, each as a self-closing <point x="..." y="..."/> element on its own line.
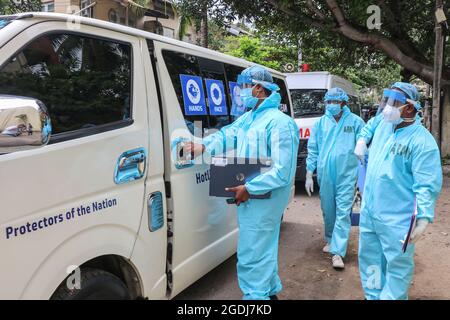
<point x="438" y="66"/>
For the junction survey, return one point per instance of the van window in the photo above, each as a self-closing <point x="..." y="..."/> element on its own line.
<point x="232" y="73"/>
<point x="285" y="105"/>
<point x="184" y="64"/>
<point x="85" y="82"/>
<point x="308" y="102"/>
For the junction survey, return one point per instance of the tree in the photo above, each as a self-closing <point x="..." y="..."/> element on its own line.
<point x="404" y="36"/>
<point x="375" y="73"/>
<point x="202" y="13"/>
<point x="12" y="7"/>
<point x="256" y="50"/>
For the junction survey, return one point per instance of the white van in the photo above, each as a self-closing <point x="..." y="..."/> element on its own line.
<point x="307" y="91"/>
<point x="103" y="204"/>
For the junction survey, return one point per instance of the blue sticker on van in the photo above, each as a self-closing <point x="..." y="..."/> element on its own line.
<point x="237" y="107"/>
<point x="216" y="97"/>
<point x="193" y="95"/>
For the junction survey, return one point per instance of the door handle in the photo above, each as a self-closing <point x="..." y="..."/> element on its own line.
<point x="130" y="166"/>
<point x="181" y="159"/>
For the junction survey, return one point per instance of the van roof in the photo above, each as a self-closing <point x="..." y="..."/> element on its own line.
<point x="48" y="16"/>
<point x="312" y="73"/>
<point x="318" y="80"/>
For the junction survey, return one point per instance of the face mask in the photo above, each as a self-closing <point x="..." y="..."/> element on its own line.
<point x="392" y="114"/>
<point x="334" y="109"/>
<point x="247" y="98"/>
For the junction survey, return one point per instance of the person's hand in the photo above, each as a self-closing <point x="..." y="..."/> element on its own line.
<point x="194" y="149"/>
<point x="309" y="184"/>
<point x="361" y="150"/>
<point x="241" y="194"/>
<point x="419" y="230"/>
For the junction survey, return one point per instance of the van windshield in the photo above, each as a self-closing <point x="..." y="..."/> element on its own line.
<point x="308" y="102"/>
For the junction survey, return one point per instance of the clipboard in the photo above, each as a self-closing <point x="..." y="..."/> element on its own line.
<point x="411" y="228"/>
<point x="227" y="172"/>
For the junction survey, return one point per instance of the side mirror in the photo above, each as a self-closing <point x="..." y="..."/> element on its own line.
<point x="24" y="124"/>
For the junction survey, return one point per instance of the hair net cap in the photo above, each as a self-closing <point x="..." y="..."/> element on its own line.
<point x="336" y="94"/>
<point x="258" y="75"/>
<point x="410" y="91"/>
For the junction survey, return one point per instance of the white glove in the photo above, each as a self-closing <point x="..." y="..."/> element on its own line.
<point x="361" y="150"/>
<point x="309" y="184"/>
<point x="419" y="230"/>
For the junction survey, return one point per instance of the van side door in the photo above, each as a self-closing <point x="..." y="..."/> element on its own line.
<point x="204" y="228"/>
<point x="150" y="250"/>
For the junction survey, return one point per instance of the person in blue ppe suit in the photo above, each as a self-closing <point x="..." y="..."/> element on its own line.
<point x="366" y="134"/>
<point x="330" y="151"/>
<point x="404" y="176"/>
<point x="262" y="132"/>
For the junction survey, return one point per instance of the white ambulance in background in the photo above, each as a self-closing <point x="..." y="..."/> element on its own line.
<point x="307" y="92"/>
<point x="109" y="208"/>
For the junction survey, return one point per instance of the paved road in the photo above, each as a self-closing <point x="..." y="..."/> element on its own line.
<point x="306" y="272"/>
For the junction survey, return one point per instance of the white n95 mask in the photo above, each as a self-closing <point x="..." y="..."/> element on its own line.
<point x="392" y="114"/>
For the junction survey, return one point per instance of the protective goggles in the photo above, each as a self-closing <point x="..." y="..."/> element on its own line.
<point x="394" y="98"/>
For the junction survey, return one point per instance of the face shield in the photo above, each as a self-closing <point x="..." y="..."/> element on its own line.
<point x="394" y="98"/>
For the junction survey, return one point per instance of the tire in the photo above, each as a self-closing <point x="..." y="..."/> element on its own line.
<point x="95" y="285"/>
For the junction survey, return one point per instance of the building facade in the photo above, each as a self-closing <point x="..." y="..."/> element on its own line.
<point x="128" y="13"/>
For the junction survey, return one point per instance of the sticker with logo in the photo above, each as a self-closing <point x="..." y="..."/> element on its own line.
<point x="193" y="95"/>
<point x="216" y="97"/>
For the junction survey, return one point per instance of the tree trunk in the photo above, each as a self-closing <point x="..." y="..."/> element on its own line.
<point x="408" y="60"/>
<point x="445" y="133"/>
<point x="437" y="81"/>
<point x="204" y="26"/>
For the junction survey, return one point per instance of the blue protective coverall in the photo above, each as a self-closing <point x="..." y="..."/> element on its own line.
<point x="368" y="130"/>
<point x="404" y="167"/>
<point x="262" y="133"/>
<point x="330" y="151"/>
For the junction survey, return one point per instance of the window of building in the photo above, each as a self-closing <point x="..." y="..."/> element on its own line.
<point x="86" y="12"/>
<point x="165" y="7"/>
<point x="85" y="82"/>
<point x="168" y="32"/>
<point x="113" y="16"/>
<point x="48" y="7"/>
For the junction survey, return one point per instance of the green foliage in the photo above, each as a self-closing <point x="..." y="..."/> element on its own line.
<point x="10" y="7"/>
<point x="376" y="73"/>
<point x="259" y="51"/>
<point x="409" y="25"/>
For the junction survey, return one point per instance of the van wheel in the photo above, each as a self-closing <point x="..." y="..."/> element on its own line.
<point x="95" y="285"/>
